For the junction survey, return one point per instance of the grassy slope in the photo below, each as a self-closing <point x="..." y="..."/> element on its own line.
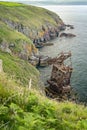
<point x="23" y="109"/>
<point x="20" y="70"/>
<point x="12" y="36"/>
<point x="28" y="15"/>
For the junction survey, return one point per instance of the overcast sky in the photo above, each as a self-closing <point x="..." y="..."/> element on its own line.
<point x="52" y="1"/>
<point x="49" y="0"/>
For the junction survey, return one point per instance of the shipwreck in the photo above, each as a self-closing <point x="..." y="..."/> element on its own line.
<point x="59" y="82"/>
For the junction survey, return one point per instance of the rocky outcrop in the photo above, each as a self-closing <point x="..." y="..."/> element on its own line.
<point x="43" y="33"/>
<point x="24" y="52"/>
<point x="5" y="47"/>
<point x="38" y="36"/>
<point x="34" y="24"/>
<point x="68" y="35"/>
<point x="70" y="26"/>
<point x="47" y="29"/>
<point x="59" y="82"/>
<point x="17" y="26"/>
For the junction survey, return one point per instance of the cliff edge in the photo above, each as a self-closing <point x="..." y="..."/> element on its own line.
<point x="20" y="24"/>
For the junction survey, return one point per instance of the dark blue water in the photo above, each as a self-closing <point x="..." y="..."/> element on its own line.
<point x="77" y="16"/>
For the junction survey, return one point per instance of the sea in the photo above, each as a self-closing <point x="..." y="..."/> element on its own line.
<point x="76" y="16"/>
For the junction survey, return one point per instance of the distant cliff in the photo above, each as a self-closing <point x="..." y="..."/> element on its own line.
<point x="20" y="24"/>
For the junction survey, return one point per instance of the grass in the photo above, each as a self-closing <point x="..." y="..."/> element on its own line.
<point x="27" y="16"/>
<point x="10" y="36"/>
<point x="24" y="109"/>
<point x="10" y="4"/>
<point x="30" y="16"/>
<point x="20" y="70"/>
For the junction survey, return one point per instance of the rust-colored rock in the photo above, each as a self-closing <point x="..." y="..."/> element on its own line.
<point x="59" y="82"/>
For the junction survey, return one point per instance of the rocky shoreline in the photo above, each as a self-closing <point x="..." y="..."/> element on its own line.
<point x="45" y="40"/>
<point x="27" y="33"/>
<point x="58" y="86"/>
<point x="22" y="33"/>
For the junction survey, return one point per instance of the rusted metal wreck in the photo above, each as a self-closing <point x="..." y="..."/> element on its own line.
<point x="59" y="82"/>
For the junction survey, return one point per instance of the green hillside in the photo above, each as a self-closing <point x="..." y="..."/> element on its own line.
<point x="10" y="36"/>
<point x="29" y="15"/>
<point x="19" y="70"/>
<point x="19" y="23"/>
<point x="23" y="106"/>
<point x="24" y="109"/>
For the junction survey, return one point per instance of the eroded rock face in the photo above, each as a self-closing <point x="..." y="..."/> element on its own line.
<point x="18" y="26"/>
<point x="24" y="52"/>
<point x="46" y="31"/>
<point x="43" y="33"/>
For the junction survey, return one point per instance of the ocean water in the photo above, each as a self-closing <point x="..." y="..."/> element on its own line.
<point x="77" y="16"/>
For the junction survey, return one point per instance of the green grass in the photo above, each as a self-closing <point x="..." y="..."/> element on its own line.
<point x="30" y="16"/>
<point x="10" y="36"/>
<point x="20" y="70"/>
<point x="24" y="109"/>
<point x="10" y="4"/>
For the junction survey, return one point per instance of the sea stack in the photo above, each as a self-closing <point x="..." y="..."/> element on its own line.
<point x="59" y="82"/>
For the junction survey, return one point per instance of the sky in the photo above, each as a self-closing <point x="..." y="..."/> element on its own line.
<point x="48" y="0"/>
<point x="53" y="1"/>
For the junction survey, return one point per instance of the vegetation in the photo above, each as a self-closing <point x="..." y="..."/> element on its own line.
<point x="19" y="23"/>
<point x="10" y="36"/>
<point x="10" y="4"/>
<point x="19" y="70"/>
<point x="28" y="15"/>
<point x="24" y="109"/>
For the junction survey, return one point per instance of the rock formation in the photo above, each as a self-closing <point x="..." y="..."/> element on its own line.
<point x="20" y="30"/>
<point x="59" y="82"/>
<point x="68" y="35"/>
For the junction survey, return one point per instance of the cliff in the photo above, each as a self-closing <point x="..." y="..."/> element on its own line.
<point x="25" y="108"/>
<point x="20" y="24"/>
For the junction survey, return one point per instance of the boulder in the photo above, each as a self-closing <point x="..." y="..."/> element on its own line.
<point x="70" y="26"/>
<point x="34" y="60"/>
<point x="5" y="47"/>
<point x="68" y="35"/>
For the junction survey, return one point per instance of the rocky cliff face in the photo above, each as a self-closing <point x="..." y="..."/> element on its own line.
<point x="31" y="23"/>
<point x="30" y="32"/>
